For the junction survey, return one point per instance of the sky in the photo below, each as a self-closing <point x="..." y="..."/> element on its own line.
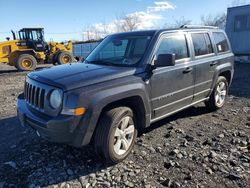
<point x="68" y="19"/>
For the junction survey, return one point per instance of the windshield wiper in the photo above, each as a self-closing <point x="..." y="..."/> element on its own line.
<point x="85" y="61"/>
<point x="100" y="62"/>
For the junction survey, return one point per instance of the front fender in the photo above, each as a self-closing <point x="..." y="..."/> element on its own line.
<point x="105" y="97"/>
<point x="101" y="99"/>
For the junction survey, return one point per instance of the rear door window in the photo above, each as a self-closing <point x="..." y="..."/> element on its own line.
<point x="221" y="42"/>
<point x="209" y="43"/>
<point x="202" y="44"/>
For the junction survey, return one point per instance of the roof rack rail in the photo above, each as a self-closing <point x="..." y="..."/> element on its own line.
<point x="199" y="26"/>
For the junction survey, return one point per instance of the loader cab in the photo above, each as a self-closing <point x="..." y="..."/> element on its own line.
<point x="34" y="38"/>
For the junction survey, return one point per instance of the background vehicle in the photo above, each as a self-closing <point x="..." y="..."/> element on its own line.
<point x="29" y="48"/>
<point x="129" y="81"/>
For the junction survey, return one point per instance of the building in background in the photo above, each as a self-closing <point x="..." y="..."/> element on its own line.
<point x="238" y="29"/>
<point x="82" y="49"/>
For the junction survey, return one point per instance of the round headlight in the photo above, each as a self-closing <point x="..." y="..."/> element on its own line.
<point x="55" y="99"/>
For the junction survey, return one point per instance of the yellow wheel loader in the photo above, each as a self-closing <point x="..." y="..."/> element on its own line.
<point x="28" y="49"/>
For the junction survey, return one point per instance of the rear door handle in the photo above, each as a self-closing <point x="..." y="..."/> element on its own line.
<point x="187" y="70"/>
<point x="213" y="63"/>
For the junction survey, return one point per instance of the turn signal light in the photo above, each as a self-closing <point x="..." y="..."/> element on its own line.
<point x="76" y="112"/>
<point x="79" y="111"/>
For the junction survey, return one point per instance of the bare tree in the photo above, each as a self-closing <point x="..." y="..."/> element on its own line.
<point x="91" y="33"/>
<point x="178" y="23"/>
<point x="105" y="28"/>
<point x="130" y="22"/>
<point x="86" y="33"/>
<point x="122" y="23"/>
<point x="182" y="21"/>
<point x="218" y="20"/>
<point x="117" y="22"/>
<point x="235" y="3"/>
<point x="127" y="22"/>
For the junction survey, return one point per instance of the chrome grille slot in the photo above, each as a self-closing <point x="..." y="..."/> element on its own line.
<point x="34" y="95"/>
<point x="42" y="97"/>
<point x="29" y="93"/>
<point x="33" y="88"/>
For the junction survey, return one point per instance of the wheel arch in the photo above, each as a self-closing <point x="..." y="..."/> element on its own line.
<point x="14" y="55"/>
<point x="133" y="96"/>
<point x="135" y="103"/>
<point x="225" y="70"/>
<point x="227" y="74"/>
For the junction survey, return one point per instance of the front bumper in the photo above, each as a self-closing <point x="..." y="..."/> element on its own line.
<point x="60" y="129"/>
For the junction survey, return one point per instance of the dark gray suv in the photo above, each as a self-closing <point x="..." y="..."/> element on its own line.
<point x="129" y="81"/>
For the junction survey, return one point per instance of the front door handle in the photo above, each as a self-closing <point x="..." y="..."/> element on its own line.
<point x="187" y="70"/>
<point x="213" y="63"/>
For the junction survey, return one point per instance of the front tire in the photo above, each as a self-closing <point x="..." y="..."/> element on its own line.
<point x="26" y="62"/>
<point x="115" y="135"/>
<point x="219" y="94"/>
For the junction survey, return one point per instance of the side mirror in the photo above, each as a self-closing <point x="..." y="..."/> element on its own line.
<point x="164" y="60"/>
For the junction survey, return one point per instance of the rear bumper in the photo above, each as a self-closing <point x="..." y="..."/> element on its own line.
<point x="60" y="129"/>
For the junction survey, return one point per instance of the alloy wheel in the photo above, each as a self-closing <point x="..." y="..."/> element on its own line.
<point x="220" y="94"/>
<point x="124" y="135"/>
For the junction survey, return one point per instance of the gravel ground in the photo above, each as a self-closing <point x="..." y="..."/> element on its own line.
<point x="194" y="148"/>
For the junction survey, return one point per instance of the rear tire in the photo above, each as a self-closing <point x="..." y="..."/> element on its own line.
<point x="115" y="134"/>
<point x="64" y="57"/>
<point x="218" y="96"/>
<point x="26" y="62"/>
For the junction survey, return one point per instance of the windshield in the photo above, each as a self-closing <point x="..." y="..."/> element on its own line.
<point x="35" y="35"/>
<point x="120" y="50"/>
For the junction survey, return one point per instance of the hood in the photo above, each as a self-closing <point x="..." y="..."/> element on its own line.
<point x="8" y="42"/>
<point x="71" y="76"/>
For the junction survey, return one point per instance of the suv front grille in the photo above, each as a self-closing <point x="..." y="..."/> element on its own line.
<point x="34" y="95"/>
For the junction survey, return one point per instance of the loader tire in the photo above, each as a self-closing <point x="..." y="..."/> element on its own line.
<point x="26" y="62"/>
<point x="64" y="58"/>
<point x="55" y="57"/>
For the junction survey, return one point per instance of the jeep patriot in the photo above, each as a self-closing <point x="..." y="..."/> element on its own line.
<point x="128" y="81"/>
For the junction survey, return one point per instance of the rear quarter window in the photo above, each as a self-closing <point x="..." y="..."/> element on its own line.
<point x="221" y="42"/>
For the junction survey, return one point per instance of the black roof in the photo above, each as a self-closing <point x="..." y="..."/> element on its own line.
<point x="34" y="28"/>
